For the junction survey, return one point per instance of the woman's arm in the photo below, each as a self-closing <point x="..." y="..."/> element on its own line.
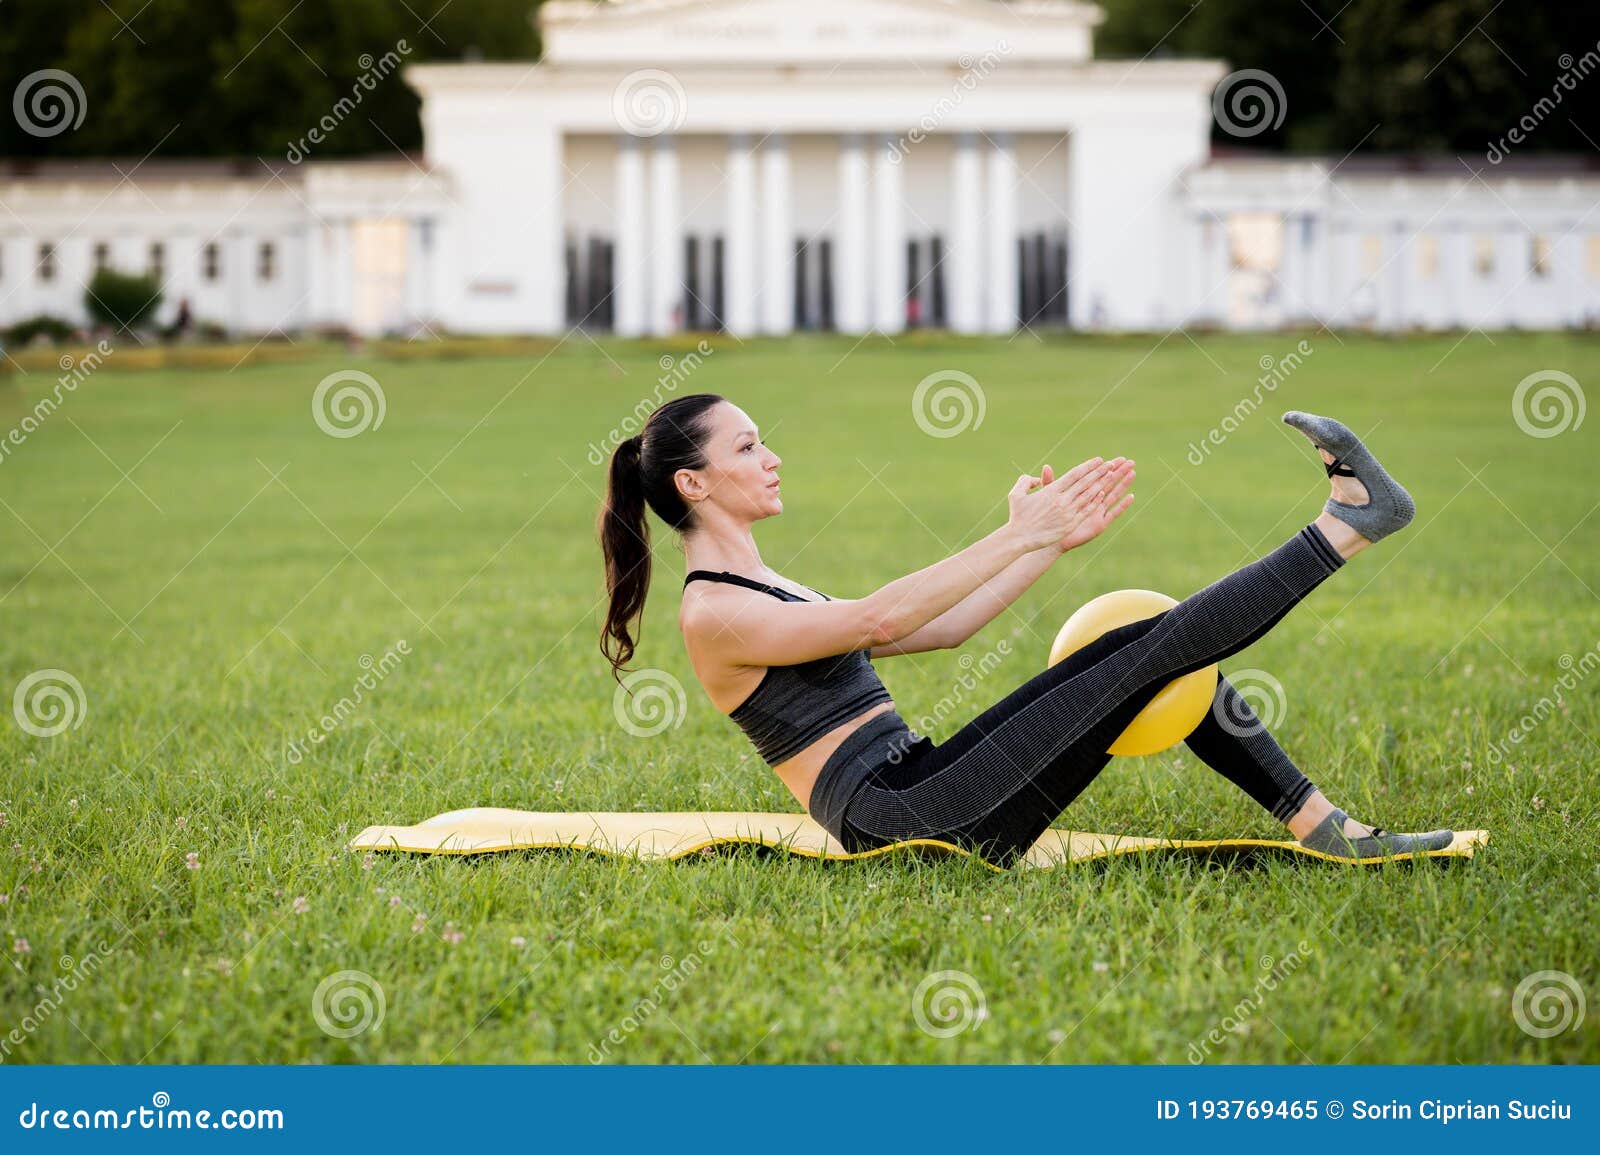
<point x="953" y="627"/>
<point x="789" y="633"/>
<point x="1054" y="515"/>
<point x="743" y="627"/>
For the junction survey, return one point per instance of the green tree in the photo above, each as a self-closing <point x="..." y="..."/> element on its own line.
<point x="1391" y="75"/>
<point x="241" y="78"/>
<point x="122" y="300"/>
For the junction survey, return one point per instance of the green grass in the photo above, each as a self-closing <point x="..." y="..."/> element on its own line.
<point x="216" y="601"/>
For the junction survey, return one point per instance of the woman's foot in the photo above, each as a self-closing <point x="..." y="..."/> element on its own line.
<point x="1341" y="836"/>
<point x="1365" y="500"/>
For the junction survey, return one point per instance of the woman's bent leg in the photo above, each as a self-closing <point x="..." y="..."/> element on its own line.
<point x="999" y="782"/>
<point x="1236" y="743"/>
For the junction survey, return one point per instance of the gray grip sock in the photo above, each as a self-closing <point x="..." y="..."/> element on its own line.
<point x="1329" y="837"/>
<point x="1389" y="507"/>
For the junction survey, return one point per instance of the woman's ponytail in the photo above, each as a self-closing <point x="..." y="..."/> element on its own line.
<point x="625" y="542"/>
<point x="642" y="473"/>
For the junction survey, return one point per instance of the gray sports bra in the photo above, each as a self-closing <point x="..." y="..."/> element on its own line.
<point x="795" y="705"/>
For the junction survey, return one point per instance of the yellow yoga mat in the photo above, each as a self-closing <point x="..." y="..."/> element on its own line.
<point x="674" y="834"/>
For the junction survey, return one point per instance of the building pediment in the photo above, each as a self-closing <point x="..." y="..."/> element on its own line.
<point x="662" y="33"/>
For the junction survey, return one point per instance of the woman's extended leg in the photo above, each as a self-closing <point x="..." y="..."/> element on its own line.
<point x="999" y="782"/>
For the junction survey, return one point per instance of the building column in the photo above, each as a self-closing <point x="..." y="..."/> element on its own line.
<point x="889" y="241"/>
<point x="1400" y="257"/>
<point x="1219" y="273"/>
<point x="630" y="268"/>
<point x="1314" y="258"/>
<point x="1195" y="268"/>
<point x="852" y="272"/>
<point x="666" y="240"/>
<point x="239" y="274"/>
<point x="777" y="238"/>
<point x="1566" y="254"/>
<point x="739" y="249"/>
<point x="966" y="257"/>
<point x="1001" y="315"/>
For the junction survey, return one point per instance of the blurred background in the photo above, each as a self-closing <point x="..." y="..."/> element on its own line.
<point x="252" y="168"/>
<point x="320" y="322"/>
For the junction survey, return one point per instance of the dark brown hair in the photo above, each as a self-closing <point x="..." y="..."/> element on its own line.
<point x="641" y="473"/>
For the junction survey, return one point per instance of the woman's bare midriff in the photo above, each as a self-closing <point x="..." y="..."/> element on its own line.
<point x="799" y="773"/>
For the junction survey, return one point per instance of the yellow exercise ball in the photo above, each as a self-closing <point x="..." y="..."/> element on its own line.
<point x="1172" y="714"/>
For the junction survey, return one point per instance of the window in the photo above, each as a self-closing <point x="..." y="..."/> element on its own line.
<point x="1427" y="256"/>
<point x="1539" y="256"/>
<point x="266" y="261"/>
<point x="1371" y="254"/>
<point x="47" y="262"/>
<point x="1483" y="255"/>
<point x="1255" y="241"/>
<point x="158" y="260"/>
<point x="211" y="261"/>
<point x="102" y="255"/>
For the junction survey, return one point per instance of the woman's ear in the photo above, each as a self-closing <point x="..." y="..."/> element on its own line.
<point x="690" y="486"/>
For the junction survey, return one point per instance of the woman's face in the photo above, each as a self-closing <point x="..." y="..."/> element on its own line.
<point x="740" y="474"/>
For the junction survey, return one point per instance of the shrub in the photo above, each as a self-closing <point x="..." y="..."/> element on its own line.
<point x="122" y="300"/>
<point x="52" y="329"/>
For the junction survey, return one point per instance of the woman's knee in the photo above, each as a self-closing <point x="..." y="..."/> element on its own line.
<point x="1105" y="645"/>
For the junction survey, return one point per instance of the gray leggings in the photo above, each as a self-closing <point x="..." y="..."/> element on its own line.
<point x="998" y="783"/>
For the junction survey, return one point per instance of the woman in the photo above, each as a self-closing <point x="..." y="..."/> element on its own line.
<point x="791" y="666"/>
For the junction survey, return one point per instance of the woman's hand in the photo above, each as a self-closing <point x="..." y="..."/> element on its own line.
<point x="1104" y="507"/>
<point x="1072" y="509"/>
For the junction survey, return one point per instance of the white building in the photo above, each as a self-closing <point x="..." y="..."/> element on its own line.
<point x="853" y="165"/>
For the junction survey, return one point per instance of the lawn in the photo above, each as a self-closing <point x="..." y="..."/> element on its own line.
<point x="216" y="572"/>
